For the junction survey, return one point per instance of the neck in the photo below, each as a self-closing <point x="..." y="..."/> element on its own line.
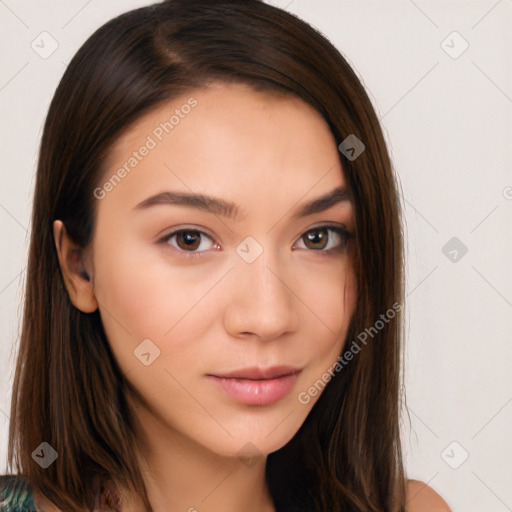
<point x="182" y="475"/>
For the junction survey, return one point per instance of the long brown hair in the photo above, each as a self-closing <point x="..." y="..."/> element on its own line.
<point x="68" y="390"/>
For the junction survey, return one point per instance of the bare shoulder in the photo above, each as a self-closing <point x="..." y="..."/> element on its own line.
<point x="422" y="498"/>
<point x="42" y="504"/>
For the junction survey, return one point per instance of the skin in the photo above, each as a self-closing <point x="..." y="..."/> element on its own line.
<point x="217" y="312"/>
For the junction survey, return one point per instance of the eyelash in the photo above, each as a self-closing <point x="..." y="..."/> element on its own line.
<point x="340" y="231"/>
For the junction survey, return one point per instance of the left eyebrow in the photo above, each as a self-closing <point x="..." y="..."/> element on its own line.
<point x="324" y="202"/>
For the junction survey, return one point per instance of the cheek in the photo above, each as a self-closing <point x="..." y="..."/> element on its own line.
<point x="142" y="296"/>
<point x="333" y="305"/>
<point x="127" y="291"/>
<point x="329" y="293"/>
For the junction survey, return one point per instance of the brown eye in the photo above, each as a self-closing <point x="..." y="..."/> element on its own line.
<point x="326" y="238"/>
<point x="188" y="240"/>
<point x="316" y="239"/>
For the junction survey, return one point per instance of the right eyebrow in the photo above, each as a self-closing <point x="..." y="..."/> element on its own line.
<point x="199" y="201"/>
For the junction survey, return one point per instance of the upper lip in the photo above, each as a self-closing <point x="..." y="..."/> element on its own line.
<point x="258" y="373"/>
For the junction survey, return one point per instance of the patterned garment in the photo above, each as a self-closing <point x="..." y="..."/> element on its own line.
<point x="16" y="496"/>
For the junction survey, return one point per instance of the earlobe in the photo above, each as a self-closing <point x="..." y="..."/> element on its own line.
<point x="77" y="278"/>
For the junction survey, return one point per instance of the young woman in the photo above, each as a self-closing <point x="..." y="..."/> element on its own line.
<point x="213" y="315"/>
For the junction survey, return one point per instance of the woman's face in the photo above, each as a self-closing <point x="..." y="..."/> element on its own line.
<point x="192" y="290"/>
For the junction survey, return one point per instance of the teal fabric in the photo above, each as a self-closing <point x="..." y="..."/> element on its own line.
<point x="15" y="495"/>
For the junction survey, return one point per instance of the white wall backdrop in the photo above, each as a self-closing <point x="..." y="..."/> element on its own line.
<point x="439" y="74"/>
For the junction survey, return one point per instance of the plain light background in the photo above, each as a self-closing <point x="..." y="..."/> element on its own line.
<point x="447" y="114"/>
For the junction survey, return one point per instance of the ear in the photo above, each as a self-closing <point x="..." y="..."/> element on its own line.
<point x="76" y="270"/>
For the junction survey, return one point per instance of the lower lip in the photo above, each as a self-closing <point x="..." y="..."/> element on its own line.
<point x="256" y="392"/>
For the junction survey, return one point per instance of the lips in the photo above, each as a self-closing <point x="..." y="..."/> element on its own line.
<point x="257" y="386"/>
<point x="257" y="373"/>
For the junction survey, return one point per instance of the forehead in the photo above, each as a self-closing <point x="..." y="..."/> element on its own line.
<point x="228" y="140"/>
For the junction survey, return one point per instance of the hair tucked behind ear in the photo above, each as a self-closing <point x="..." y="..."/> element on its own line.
<point x="68" y="390"/>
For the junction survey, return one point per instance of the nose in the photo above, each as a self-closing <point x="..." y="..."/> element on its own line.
<point x="261" y="301"/>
